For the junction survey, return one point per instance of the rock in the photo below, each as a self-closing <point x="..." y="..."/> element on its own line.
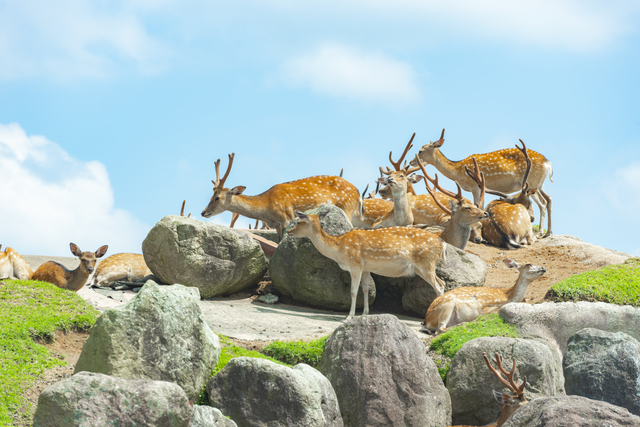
<point x="91" y="399"/>
<point x="159" y="335"/>
<point x="213" y="258"/>
<point x="207" y="416"/>
<point x="257" y="392"/>
<point x="382" y="376"/>
<point x="556" y="322"/>
<point x="461" y="269"/>
<point x="588" y="253"/>
<point x="471" y="383"/>
<point x="298" y="270"/>
<point x="604" y="366"/>
<point x="571" y="411"/>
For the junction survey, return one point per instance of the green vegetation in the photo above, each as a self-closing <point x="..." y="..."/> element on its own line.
<point x="295" y="352"/>
<point x="616" y="284"/>
<point x="32" y="311"/>
<point x="449" y="342"/>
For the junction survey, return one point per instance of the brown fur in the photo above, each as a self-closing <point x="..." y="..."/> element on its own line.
<point x="64" y="278"/>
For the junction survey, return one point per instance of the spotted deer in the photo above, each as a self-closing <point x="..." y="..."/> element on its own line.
<point x="465" y="304"/>
<point x="503" y="170"/>
<point x="276" y="207"/>
<point x="64" y="278"/>
<point x="391" y="251"/>
<point x="13" y="266"/>
<point x="120" y="267"/>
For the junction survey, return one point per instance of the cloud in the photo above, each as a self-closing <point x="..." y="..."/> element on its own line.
<point x="49" y="199"/>
<point x="341" y="71"/>
<point x="623" y="190"/>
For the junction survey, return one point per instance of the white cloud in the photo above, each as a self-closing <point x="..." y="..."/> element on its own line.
<point x="342" y="71"/>
<point x="49" y="199"/>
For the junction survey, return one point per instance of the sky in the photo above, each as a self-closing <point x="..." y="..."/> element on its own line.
<point x="113" y="113"/>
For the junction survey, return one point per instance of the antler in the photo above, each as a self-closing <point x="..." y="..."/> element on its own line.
<point x="220" y="182"/>
<point x="528" y="160"/>
<point x="404" y="153"/>
<point x="478" y="177"/>
<point x="511" y="385"/>
<point x="436" y="186"/>
<point x="181" y="211"/>
<point x="486" y="190"/>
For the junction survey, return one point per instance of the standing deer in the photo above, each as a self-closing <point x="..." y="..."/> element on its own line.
<point x="276" y="207"/>
<point x="64" y="278"/>
<point x="503" y="170"/>
<point x="464" y="214"/>
<point x="12" y="265"/>
<point x="391" y="251"/>
<point x="465" y="304"/>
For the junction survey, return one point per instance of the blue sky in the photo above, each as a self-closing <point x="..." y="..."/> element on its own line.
<point x="112" y="113"/>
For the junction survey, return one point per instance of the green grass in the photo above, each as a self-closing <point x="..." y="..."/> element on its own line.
<point x="32" y="311"/>
<point x="294" y="352"/>
<point x="449" y="342"/>
<point x="616" y="284"/>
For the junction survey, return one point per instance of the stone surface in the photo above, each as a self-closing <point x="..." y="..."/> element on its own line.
<point x="257" y="392"/>
<point x="569" y="411"/>
<point x="207" y="416"/>
<point x="160" y="335"/>
<point x="471" y="383"/>
<point x="382" y="376"/>
<point x="604" y="366"/>
<point x="213" y="258"/>
<point x="90" y="399"/>
<point x="588" y="253"/>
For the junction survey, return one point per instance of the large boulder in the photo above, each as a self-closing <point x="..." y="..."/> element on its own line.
<point x="260" y="393"/>
<point x="461" y="269"/>
<point x="571" y="411"/>
<point x="556" y="322"/>
<point x="89" y="399"/>
<point x="471" y="383"/>
<point x="299" y="270"/>
<point x="207" y="416"/>
<point x="213" y="258"/>
<point x="382" y="375"/>
<point x="159" y="335"/>
<point x="604" y="366"/>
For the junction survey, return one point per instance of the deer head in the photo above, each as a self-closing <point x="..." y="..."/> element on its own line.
<point x="221" y="196"/>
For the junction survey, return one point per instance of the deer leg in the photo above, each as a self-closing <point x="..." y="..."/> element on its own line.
<point x="430" y="277"/>
<point x="542" y="206"/>
<point x="548" y="206"/>
<point x="356" y="277"/>
<point x="367" y="281"/>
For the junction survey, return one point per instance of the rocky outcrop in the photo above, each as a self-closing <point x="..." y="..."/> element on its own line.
<point x="260" y="393"/>
<point x="382" y="376"/>
<point x="471" y="383"/>
<point x="90" y="399"/>
<point x="587" y="253"/>
<point x="604" y="366"/>
<point x="159" y="335"/>
<point x="213" y="258"/>
<point x="207" y="416"/>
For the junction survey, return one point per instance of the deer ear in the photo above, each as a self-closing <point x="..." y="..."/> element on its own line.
<point x="302" y="216"/>
<point x="322" y="215"/>
<point x="75" y="249"/>
<point x="237" y="190"/>
<point x="532" y="192"/>
<point x="453" y="205"/>
<point x="101" y="251"/>
<point x="415" y="178"/>
<point x="511" y="263"/>
<point x="498" y="396"/>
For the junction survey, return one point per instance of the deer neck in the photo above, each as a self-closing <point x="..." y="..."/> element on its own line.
<point x="325" y="243"/>
<point x="77" y="278"/>
<point x="516" y="292"/>
<point x="448" y="168"/>
<point x="256" y="207"/>
<point x="456" y="233"/>
<point x="402" y="213"/>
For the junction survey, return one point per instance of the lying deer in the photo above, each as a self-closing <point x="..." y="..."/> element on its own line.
<point x="125" y="266"/>
<point x="465" y="304"/>
<point x="392" y="252"/>
<point x="12" y="265"/>
<point x="503" y="170"/>
<point x="64" y="278"/>
<point x="276" y="207"/>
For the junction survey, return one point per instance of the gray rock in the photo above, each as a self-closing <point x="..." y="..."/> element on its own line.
<point x="471" y="383"/>
<point x="571" y="411"/>
<point x="382" y="376"/>
<point x="298" y="270"/>
<point x="258" y="392"/>
<point x="159" y="335"/>
<point x="461" y="269"/>
<point x="604" y="366"/>
<point x="556" y="322"/>
<point x="207" y="416"/>
<point x="587" y="253"/>
<point x="90" y="399"/>
<point x="271" y="235"/>
<point x="213" y="258"/>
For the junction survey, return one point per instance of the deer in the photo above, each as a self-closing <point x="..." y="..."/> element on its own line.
<point x="465" y="304"/>
<point x="463" y="213"/>
<point x="64" y="278"/>
<point x="503" y="171"/>
<point x="13" y="266"/>
<point x="276" y="207"/>
<point x="391" y="251"/>
<point x="120" y="267"/>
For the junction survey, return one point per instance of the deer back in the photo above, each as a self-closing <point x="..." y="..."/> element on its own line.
<point x="123" y="266"/>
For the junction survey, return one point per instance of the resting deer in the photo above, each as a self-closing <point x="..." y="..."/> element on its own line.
<point x="465" y="304"/>
<point x="277" y="205"/>
<point x="391" y="251"/>
<point x="12" y="265"/>
<point x="125" y="266"/>
<point x="64" y="278"/>
<point x="503" y="170"/>
<point x="464" y="214"/>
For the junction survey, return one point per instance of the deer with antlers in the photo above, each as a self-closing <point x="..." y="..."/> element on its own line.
<point x="276" y="207"/>
<point x="12" y="265"/>
<point x="503" y="170"/>
<point x="391" y="251"/>
<point x="465" y="304"/>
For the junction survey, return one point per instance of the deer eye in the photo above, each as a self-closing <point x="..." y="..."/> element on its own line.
<point x="217" y="198"/>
